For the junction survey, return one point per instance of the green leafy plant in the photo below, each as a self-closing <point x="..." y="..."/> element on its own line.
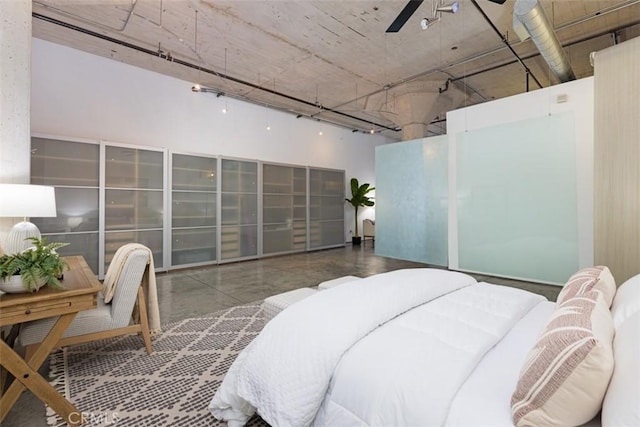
<point x="35" y="265"/>
<point x="359" y="198"/>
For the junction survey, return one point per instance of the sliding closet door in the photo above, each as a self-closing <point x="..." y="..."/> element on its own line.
<point x="193" y="209"/>
<point x="239" y="233"/>
<point x="73" y="169"/>
<point x="284" y="208"/>
<point x="326" y="208"/>
<point x="134" y="200"/>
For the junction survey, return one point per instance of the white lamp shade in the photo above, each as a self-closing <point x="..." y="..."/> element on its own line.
<point x="24" y="200"/>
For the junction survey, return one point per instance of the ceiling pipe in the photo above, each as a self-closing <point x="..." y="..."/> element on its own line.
<point x="529" y="20"/>
<point x="533" y="55"/>
<point x="506" y="42"/>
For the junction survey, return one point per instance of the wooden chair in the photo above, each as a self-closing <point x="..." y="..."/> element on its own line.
<point x="369" y="230"/>
<point x="108" y="319"/>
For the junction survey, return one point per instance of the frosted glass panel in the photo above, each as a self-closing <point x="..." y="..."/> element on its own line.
<point x="193" y="245"/>
<point x="238" y="242"/>
<point x="411" y="200"/>
<point x="132" y="168"/>
<point x="77" y="210"/>
<point x="239" y="176"/>
<point x="326" y="233"/>
<point x="84" y="244"/>
<point x="193" y="209"/>
<point x="151" y="239"/>
<point x="127" y="209"/>
<point x="194" y="173"/>
<point x="55" y="162"/>
<point x="517" y="203"/>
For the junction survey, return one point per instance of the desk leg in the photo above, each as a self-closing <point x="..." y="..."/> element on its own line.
<point x="27" y="376"/>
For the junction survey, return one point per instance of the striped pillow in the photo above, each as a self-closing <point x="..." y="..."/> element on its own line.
<point x="566" y="374"/>
<point x="591" y="278"/>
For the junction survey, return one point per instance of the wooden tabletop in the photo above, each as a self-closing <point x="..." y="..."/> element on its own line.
<point x="79" y="282"/>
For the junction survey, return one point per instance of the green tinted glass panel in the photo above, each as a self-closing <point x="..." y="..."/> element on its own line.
<point x="517" y="203"/>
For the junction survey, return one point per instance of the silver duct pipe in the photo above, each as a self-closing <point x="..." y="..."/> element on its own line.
<point x="529" y="20"/>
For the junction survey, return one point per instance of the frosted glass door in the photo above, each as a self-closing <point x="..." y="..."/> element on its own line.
<point x="73" y="169"/>
<point x="516" y="199"/>
<point x="239" y="207"/>
<point x="134" y="181"/>
<point x="284" y="203"/>
<point x="193" y="209"/>
<point x="326" y="208"/>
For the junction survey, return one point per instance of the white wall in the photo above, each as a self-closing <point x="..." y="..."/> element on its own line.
<point x="580" y="101"/>
<point x="79" y="95"/>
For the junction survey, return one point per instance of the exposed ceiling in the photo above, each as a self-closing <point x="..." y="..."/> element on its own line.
<point x="333" y="60"/>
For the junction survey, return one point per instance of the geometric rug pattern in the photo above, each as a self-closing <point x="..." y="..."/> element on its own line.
<point x="115" y="381"/>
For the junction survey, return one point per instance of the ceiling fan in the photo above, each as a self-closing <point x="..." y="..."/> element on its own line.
<point x="413" y="5"/>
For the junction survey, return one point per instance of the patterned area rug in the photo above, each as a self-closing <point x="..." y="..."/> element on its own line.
<point x="115" y="382"/>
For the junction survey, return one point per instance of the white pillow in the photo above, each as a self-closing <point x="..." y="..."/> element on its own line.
<point x="626" y="301"/>
<point x="621" y="405"/>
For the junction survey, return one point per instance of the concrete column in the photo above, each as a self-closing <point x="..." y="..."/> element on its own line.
<point x="417" y="103"/>
<point x="15" y="96"/>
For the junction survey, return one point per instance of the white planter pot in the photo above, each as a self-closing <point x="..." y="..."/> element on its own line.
<point x="13" y="285"/>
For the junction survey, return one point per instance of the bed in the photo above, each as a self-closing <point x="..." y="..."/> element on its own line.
<point x="430" y="347"/>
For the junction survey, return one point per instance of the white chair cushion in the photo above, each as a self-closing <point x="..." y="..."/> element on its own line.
<point x="88" y="321"/>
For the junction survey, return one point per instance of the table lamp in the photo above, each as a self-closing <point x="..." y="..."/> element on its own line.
<point x="24" y="200"/>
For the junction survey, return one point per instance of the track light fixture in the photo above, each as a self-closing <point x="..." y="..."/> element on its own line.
<point x="438" y="6"/>
<point x="424" y="24"/>
<point x="449" y="8"/>
<point x="199" y="89"/>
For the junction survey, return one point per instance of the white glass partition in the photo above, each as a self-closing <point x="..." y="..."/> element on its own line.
<point x="411" y="200"/>
<point x="516" y="199"/>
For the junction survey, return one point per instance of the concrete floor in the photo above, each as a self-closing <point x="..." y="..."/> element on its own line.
<point x="194" y="292"/>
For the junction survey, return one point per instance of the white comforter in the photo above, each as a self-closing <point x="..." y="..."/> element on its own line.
<point x="285" y="372"/>
<point x="408" y="372"/>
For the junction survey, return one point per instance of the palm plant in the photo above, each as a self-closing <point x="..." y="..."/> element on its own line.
<point x="36" y="265"/>
<point x="359" y="198"/>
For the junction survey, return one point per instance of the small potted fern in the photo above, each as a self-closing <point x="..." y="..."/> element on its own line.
<point x="29" y="270"/>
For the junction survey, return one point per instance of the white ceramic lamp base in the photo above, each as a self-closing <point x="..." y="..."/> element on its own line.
<point x="16" y="238"/>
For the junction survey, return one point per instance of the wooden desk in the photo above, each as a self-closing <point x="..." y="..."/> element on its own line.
<point x="81" y="289"/>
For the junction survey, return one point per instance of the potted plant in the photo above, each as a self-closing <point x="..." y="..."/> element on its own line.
<point x="29" y="270"/>
<point x="359" y="198"/>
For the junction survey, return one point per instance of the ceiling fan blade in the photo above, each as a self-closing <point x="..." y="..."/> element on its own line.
<point x="404" y="16"/>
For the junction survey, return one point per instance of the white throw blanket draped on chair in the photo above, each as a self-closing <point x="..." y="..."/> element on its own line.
<point x="148" y="282"/>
